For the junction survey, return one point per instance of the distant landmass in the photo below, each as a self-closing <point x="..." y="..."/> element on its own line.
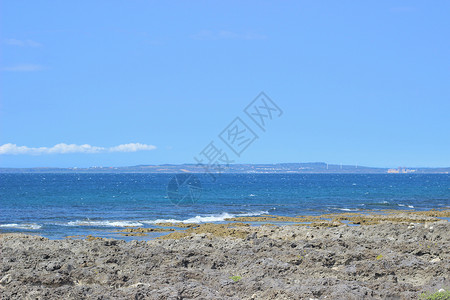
<point x="301" y="168"/>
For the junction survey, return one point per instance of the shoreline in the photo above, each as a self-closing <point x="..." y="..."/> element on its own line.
<point x="395" y="255"/>
<point x="159" y="230"/>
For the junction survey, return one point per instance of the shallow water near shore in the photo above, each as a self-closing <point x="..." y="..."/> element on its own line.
<point x="60" y="205"/>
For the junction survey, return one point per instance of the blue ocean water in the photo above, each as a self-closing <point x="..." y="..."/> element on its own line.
<point x="60" y="205"/>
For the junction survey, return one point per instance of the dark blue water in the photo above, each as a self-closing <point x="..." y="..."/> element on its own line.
<point x="58" y="205"/>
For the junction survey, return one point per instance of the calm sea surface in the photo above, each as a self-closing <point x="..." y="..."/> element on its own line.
<point x="59" y="205"/>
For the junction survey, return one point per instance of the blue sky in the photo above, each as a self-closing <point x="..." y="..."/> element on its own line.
<point x="359" y="82"/>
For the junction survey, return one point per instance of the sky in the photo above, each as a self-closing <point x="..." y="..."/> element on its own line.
<point x="121" y="83"/>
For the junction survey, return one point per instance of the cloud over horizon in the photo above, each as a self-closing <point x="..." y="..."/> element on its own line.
<point x="63" y="148"/>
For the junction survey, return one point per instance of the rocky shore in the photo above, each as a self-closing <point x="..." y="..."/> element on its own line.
<point x="388" y="259"/>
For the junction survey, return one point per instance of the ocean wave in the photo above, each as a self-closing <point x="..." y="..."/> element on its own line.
<point x="253" y="214"/>
<point x="105" y="223"/>
<point x="206" y="219"/>
<point x="387" y="203"/>
<point x="405" y="205"/>
<point x="21" y="226"/>
<point x="380" y="203"/>
<point x="347" y="209"/>
<point x="196" y="219"/>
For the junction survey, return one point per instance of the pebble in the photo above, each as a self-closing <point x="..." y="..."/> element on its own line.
<point x="5" y="279"/>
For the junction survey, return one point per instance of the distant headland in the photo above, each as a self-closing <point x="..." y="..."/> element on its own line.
<point x="294" y="168"/>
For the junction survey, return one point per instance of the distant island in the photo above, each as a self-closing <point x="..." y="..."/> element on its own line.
<point x="296" y="168"/>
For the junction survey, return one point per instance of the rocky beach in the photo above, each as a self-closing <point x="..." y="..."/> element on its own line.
<point x="394" y="255"/>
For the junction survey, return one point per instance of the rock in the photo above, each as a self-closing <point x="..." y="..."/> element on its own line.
<point x="6" y="279"/>
<point x="272" y="262"/>
<point x="437" y="259"/>
<point x="52" y="266"/>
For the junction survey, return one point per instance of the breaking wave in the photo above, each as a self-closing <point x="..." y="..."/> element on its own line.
<point x="209" y="218"/>
<point x="21" y="226"/>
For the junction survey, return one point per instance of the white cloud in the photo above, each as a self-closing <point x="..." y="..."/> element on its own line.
<point x="72" y="148"/>
<point x="22" y="43"/>
<point x="225" y="34"/>
<point x="132" y="147"/>
<point x="23" y="68"/>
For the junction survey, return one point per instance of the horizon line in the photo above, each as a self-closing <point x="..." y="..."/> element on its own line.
<point x="234" y="164"/>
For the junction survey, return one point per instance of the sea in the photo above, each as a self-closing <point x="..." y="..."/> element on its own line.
<point x="78" y="204"/>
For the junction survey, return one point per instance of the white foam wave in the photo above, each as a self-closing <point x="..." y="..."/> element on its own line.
<point x="410" y="206"/>
<point x="105" y="223"/>
<point x="347" y="209"/>
<point x="207" y="219"/>
<point x="253" y="214"/>
<point x="21" y="226"/>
